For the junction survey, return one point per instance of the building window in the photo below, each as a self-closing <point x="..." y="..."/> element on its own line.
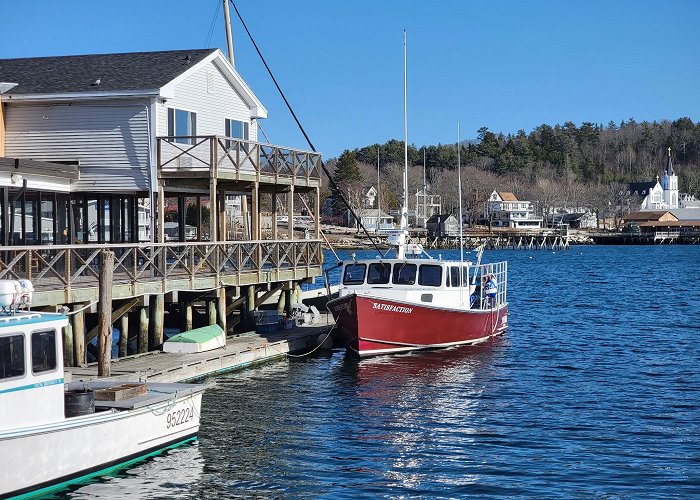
<point x="11" y="356"/>
<point x="182" y="125"/>
<point x="236" y="129"/>
<point x="43" y="351"/>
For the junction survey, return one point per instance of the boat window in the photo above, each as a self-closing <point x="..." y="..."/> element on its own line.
<point x="354" y="274"/>
<point x="378" y="273"/>
<point x="11" y="356"/>
<point x="430" y="275"/>
<point x="405" y="274"/>
<point x="43" y="351"/>
<point x="454" y="275"/>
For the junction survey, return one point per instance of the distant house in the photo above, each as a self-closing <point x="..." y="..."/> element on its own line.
<point x="372" y="219"/>
<point x="442" y="225"/>
<point x="369" y="195"/>
<point x="427" y="205"/>
<point x="503" y="209"/>
<point x="575" y="220"/>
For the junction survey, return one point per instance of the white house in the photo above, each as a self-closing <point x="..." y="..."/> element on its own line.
<point x="101" y="114"/>
<point x="503" y="209"/>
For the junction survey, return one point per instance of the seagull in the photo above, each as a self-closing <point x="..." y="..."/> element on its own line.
<point x="96" y="82"/>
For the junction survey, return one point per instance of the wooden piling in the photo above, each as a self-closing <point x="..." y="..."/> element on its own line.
<point x="158" y="320"/>
<point x="221" y="309"/>
<point x="123" y="335"/>
<point x="188" y="316"/>
<point x="142" y="341"/>
<point x="68" y="354"/>
<point x="78" y="320"/>
<point x="104" y="315"/>
<point x="211" y="309"/>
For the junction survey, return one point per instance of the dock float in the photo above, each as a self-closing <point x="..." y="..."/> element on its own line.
<point x="239" y="352"/>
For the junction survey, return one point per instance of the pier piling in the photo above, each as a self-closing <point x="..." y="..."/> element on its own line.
<point x="104" y="315"/>
<point x="78" y="324"/>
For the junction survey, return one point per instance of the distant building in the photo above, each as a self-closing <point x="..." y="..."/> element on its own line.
<point x="442" y="225"/>
<point x="664" y="193"/>
<point x="427" y="205"/>
<point x="372" y="219"/>
<point x="503" y="209"/>
<point x="575" y="220"/>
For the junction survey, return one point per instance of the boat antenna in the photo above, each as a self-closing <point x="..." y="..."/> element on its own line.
<point x="461" y="231"/>
<point x="404" y="207"/>
<point x="306" y="136"/>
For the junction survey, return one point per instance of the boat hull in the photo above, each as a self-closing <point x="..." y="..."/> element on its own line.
<point x="45" y="455"/>
<point x="371" y="326"/>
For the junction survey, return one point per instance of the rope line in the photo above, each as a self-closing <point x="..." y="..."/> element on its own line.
<point x="303" y="131"/>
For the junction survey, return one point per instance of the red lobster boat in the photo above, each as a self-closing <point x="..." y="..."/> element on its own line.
<point x="396" y="305"/>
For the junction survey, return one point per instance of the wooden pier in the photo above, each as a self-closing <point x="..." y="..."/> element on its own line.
<point x="522" y="239"/>
<point x="239" y="352"/>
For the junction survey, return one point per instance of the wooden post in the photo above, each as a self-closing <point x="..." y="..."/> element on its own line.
<point x="142" y="341"/>
<point x="158" y="320"/>
<point x="79" y="336"/>
<point x="188" y="316"/>
<point x="213" y="204"/>
<point x="223" y="236"/>
<point x="281" y="303"/>
<point x="2" y="132"/>
<point x="221" y="309"/>
<point x="123" y="335"/>
<point x="288" y="301"/>
<point x="68" y="354"/>
<point x="290" y="212"/>
<point x="104" y="315"/>
<point x="317" y="214"/>
<point x="161" y="212"/>
<point x="255" y="212"/>
<point x="246" y="220"/>
<point x="211" y="307"/>
<point x="250" y="307"/>
<point x="274" y="216"/>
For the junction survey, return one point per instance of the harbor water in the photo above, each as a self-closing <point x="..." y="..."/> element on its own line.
<point x="593" y="392"/>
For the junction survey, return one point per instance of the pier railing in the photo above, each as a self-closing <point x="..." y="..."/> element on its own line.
<point x="168" y="266"/>
<point x="235" y="158"/>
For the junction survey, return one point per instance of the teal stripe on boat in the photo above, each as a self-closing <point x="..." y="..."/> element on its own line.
<point x="86" y="479"/>
<point x="34" y="386"/>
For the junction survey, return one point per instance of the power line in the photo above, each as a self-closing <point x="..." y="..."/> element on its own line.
<point x="213" y="24"/>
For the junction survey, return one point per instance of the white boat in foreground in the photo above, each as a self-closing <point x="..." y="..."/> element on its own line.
<point x="51" y="432"/>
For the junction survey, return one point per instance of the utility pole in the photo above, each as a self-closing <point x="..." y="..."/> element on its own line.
<point x="229" y="37"/>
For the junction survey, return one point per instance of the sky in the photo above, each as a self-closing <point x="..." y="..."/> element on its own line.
<point x="505" y="65"/>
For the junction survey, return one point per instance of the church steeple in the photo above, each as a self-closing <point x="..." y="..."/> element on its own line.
<point x="669" y="164"/>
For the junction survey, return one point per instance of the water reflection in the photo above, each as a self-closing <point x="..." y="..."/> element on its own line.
<point x="424" y="435"/>
<point x="173" y="474"/>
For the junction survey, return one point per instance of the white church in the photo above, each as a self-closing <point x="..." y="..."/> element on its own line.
<point x="663" y="194"/>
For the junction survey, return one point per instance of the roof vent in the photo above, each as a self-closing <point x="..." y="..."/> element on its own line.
<point x="187" y="59"/>
<point x="96" y="82"/>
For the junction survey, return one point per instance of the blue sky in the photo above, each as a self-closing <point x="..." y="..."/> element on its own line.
<point x="505" y="65"/>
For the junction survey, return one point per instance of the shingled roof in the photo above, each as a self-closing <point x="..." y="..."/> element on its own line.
<point x="114" y="72"/>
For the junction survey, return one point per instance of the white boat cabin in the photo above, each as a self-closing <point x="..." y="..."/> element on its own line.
<point x="31" y="369"/>
<point x="427" y="281"/>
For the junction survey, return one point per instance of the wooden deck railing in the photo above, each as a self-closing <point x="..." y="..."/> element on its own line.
<point x="235" y="158"/>
<point x="65" y="267"/>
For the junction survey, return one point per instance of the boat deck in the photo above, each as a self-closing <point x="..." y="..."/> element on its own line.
<point x="239" y="352"/>
<point x="157" y="392"/>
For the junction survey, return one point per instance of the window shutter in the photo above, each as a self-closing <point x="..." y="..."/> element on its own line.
<point x="171" y="122"/>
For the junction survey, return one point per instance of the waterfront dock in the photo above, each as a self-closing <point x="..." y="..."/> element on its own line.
<point x="240" y="351"/>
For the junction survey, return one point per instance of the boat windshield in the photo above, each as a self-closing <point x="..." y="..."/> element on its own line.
<point x="354" y="274"/>
<point x="379" y="273"/>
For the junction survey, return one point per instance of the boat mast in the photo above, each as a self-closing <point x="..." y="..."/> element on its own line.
<point x="461" y="232"/>
<point x="404" y="208"/>
<point x="229" y="37"/>
<point x="379" y="196"/>
<point x="425" y="194"/>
